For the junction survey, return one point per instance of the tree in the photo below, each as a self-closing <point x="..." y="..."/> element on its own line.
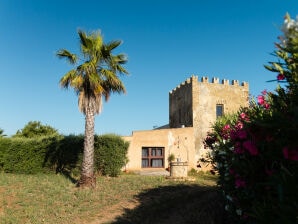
<point x="95" y="78"/>
<point x="35" y="129"/>
<point x="2" y="133"/>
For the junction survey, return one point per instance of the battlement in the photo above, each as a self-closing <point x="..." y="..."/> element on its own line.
<point x="205" y="79"/>
<point x="188" y="81"/>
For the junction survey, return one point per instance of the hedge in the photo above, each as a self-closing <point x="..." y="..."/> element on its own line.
<point x="61" y="154"/>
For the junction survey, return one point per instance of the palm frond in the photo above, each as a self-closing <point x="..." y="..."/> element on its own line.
<point x="66" y="80"/>
<point x="113" y="44"/>
<point x="97" y="76"/>
<point x="112" y="83"/>
<point x="86" y="43"/>
<point x="71" y="58"/>
<point x="87" y="68"/>
<point x="121" y="70"/>
<point x="97" y="40"/>
<point x="121" y="58"/>
<point x="83" y="38"/>
<point x="116" y="61"/>
<point x="90" y="44"/>
<point x="77" y="82"/>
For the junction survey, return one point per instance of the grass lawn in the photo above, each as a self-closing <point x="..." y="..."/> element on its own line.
<point x="130" y="198"/>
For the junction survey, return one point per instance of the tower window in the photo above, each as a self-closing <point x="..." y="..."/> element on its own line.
<point x="219" y="110"/>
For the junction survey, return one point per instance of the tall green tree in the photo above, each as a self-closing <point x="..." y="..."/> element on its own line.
<point x="35" y="129"/>
<point x="95" y="76"/>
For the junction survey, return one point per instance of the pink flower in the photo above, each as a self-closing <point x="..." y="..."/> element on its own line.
<point x="239" y="125"/>
<point x="291" y="154"/>
<point x="261" y="100"/>
<point x="281" y="76"/>
<point x="244" y="116"/>
<point x="266" y="106"/>
<point x="264" y="92"/>
<point x="240" y="183"/>
<point x="226" y="127"/>
<point x="251" y="148"/>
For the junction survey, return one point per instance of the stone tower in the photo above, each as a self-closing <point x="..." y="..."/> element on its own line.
<point x="197" y="104"/>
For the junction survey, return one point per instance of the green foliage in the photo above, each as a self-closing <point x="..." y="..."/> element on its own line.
<point x="98" y="75"/>
<point x="22" y="155"/>
<point x="65" y="155"/>
<point x="61" y="154"/>
<point x="256" y="152"/>
<point x="2" y="133"/>
<point x="110" y="154"/>
<point x="36" y="129"/>
<point x="171" y="157"/>
<point x="4" y="149"/>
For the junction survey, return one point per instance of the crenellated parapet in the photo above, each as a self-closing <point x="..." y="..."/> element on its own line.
<point x="204" y="79"/>
<point x="187" y="82"/>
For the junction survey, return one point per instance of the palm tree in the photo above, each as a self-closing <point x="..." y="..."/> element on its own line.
<point x="95" y="78"/>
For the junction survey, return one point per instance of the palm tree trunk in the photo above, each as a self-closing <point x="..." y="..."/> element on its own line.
<point x="87" y="173"/>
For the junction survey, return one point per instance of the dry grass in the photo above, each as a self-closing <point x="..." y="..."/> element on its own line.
<point x="125" y="199"/>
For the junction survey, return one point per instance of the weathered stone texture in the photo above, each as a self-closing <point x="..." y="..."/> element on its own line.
<point x="202" y="97"/>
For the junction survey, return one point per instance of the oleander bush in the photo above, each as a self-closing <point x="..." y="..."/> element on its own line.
<point x="255" y="152"/>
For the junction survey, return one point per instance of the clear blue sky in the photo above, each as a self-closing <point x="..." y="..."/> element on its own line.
<point x="166" y="42"/>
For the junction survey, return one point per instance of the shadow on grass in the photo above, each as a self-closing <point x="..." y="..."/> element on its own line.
<point x="177" y="204"/>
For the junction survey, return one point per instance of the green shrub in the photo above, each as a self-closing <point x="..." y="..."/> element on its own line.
<point x="19" y="155"/>
<point x="61" y="154"/>
<point x="110" y="154"/>
<point x="65" y="154"/>
<point x="4" y="149"/>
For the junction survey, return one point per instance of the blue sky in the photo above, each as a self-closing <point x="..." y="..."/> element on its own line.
<point x="166" y="42"/>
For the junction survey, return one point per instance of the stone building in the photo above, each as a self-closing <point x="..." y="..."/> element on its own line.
<point x="193" y="107"/>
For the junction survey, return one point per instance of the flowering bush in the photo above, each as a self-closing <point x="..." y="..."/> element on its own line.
<point x="255" y="151"/>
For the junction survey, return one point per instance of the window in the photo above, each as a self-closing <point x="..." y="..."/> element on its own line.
<point x="219" y="110"/>
<point x="152" y="157"/>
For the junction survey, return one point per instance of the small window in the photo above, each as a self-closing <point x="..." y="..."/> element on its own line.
<point x="219" y="110"/>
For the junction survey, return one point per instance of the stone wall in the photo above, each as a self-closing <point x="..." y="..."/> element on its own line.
<point x="194" y="103"/>
<point x="231" y="96"/>
<point x="180" y="105"/>
<point x="179" y="141"/>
